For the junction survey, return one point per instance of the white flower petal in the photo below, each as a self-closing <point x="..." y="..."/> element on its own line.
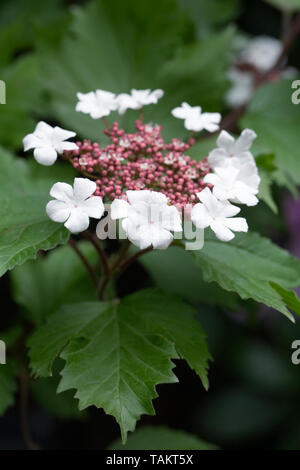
<point x="222" y="232"/>
<point x="139" y="236"/>
<point x="60" y="134"/>
<point x="200" y="216"/>
<point x="119" y="209"/>
<point x="194" y="123"/>
<point x="208" y="199"/>
<point x="237" y="224"/>
<point x="62" y="146"/>
<point x="242" y="87"/>
<point x="45" y="155"/>
<point x="245" y="197"/>
<point x="221" y="193"/>
<point x="78" y="221"/>
<point x="229" y="210"/>
<point x="217" y="157"/>
<point x="156" y="236"/>
<point x="244" y="141"/>
<point x="211" y="121"/>
<point x="108" y="98"/>
<point x="43" y="129"/>
<point x="158" y="94"/>
<point x="262" y="52"/>
<point x="62" y="192"/>
<point x="225" y="141"/>
<point x="83" y="188"/>
<point x="138" y="196"/>
<point x="97" y="104"/>
<point x="93" y="207"/>
<point x="182" y="112"/>
<point x="140" y="213"/>
<point x="124" y="102"/>
<point x="161" y="238"/>
<point x="58" y="211"/>
<point x="171" y="219"/>
<point x="31" y="141"/>
<point x="211" y="178"/>
<point x="156" y="197"/>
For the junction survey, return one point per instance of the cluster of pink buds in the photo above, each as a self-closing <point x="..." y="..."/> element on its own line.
<point x="141" y="160"/>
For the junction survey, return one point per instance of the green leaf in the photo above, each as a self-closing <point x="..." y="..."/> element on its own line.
<point x="112" y="46"/>
<point x="248" y="265"/>
<point x="116" y="353"/>
<point x="289" y="297"/>
<point x="265" y="192"/>
<point x="23" y="99"/>
<point x="202" y="147"/>
<point x="8" y="386"/>
<point x="207" y="58"/>
<point x="24" y="226"/>
<point x="43" y="285"/>
<point x="276" y="135"/>
<point x="49" y="175"/>
<point x="288" y="5"/>
<point x="208" y="15"/>
<point x="162" y="265"/>
<point x="21" y="21"/>
<point x="162" y="438"/>
<point x="150" y="54"/>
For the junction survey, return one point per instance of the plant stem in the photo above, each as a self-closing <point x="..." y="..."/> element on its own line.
<point x="99" y="250"/>
<point x="24" y="382"/>
<point x="105" y="280"/>
<point x="86" y="263"/>
<point x="229" y="122"/>
<point x="106" y="122"/>
<point x="133" y="258"/>
<point x="286" y="23"/>
<point x="120" y="266"/>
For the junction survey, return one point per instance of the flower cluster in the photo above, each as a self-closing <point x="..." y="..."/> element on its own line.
<point x="100" y="103"/>
<point x="141" y="160"/>
<point x="150" y="182"/>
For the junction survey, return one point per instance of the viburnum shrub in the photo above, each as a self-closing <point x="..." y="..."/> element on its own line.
<point x="148" y="180"/>
<point x="116" y="350"/>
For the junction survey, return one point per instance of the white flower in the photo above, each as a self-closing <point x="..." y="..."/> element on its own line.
<point x="97" y="104"/>
<point x="235" y="185"/>
<point x="74" y="205"/>
<point x="147" y="218"/>
<point x="195" y="120"/>
<point x="242" y="88"/>
<point x="47" y="142"/>
<point x="262" y="52"/>
<point x="125" y="102"/>
<point x="137" y="99"/>
<point x="233" y="152"/>
<point x="218" y="215"/>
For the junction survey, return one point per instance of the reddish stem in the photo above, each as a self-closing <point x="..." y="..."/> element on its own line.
<point x="86" y="263"/>
<point x="99" y="250"/>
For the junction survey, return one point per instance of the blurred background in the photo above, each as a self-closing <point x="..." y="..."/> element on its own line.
<point x="193" y="49"/>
